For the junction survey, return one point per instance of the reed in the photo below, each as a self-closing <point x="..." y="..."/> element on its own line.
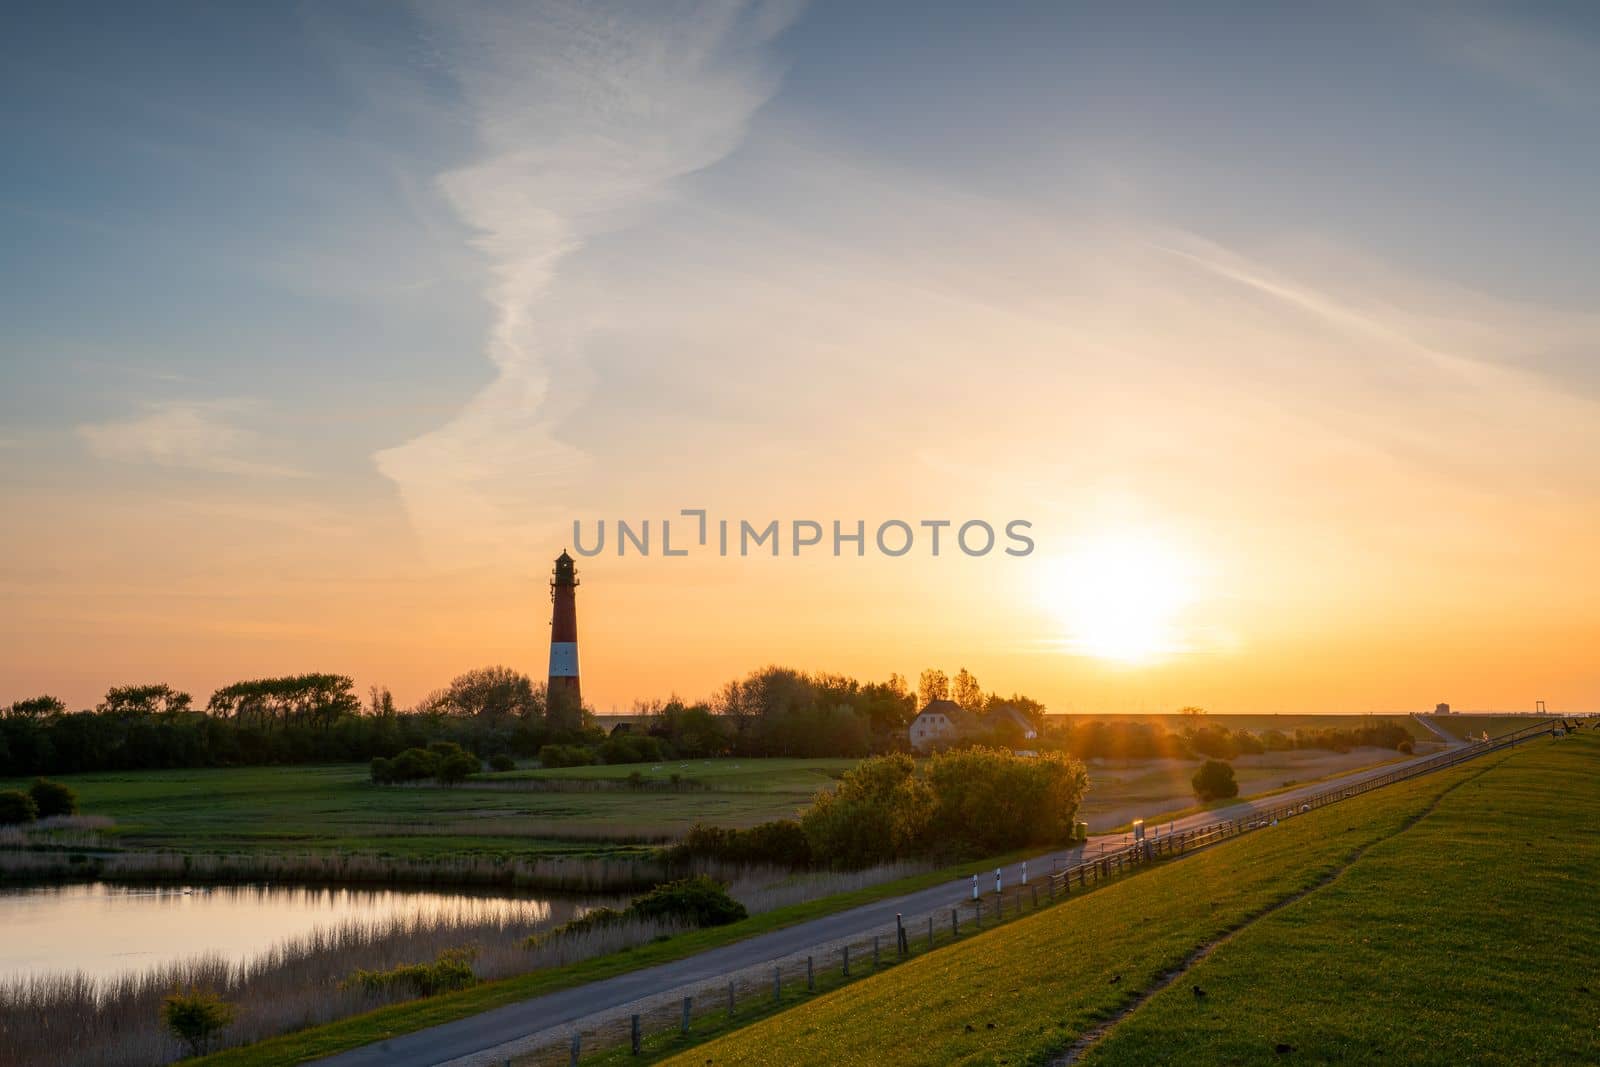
<point x="559" y="874"/>
<point x="72" y="1019"/>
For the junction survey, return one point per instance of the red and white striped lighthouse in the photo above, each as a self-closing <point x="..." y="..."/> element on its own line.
<point x="564" y="705"/>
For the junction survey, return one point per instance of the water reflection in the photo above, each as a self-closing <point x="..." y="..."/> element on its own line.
<point x="104" y="930"/>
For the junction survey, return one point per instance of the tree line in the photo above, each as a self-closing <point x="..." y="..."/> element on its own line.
<point x="498" y="712"/>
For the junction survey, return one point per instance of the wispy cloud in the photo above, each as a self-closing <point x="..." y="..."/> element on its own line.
<point x="585" y="113"/>
<point x="197" y="435"/>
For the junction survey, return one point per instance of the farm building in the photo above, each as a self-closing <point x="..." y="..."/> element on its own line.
<point x="944" y="722"/>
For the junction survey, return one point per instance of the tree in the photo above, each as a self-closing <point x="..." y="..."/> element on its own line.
<point x="1029" y="707"/>
<point x="493" y="693"/>
<point x="41" y="707"/>
<point x="315" y="699"/>
<point x="196" y="1017"/>
<point x="130" y="700"/>
<point x="1190" y="711"/>
<point x="933" y="685"/>
<point x="52" y="798"/>
<point x="1214" y="781"/>
<point x="380" y="702"/>
<point x="16" y="807"/>
<point x="967" y="692"/>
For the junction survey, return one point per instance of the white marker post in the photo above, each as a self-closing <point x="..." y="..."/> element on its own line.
<point x="974" y="887"/>
<point x="997" y="879"/>
<point x="1024" y="872"/>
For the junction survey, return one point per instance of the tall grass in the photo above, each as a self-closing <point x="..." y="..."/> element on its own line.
<point x="72" y="1019"/>
<point x="762" y="889"/>
<point x="559" y="874"/>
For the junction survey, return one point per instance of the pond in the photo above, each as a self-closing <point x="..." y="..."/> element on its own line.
<point x="103" y="930"/>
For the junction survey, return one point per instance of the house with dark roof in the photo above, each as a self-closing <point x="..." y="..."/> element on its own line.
<point x="943" y="723"/>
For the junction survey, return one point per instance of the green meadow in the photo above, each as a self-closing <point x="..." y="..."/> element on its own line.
<point x="336" y="807"/>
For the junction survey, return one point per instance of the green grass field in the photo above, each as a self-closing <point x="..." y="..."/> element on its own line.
<point x="332" y="807"/>
<point x="1446" y="920"/>
<point x="1257" y="723"/>
<point x="336" y="808"/>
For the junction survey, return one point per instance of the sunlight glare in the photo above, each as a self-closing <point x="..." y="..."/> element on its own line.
<point x="1121" y="597"/>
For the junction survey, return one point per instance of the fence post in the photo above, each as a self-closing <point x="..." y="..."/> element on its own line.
<point x="576" y="1046"/>
<point x="978" y="913"/>
<point x="955" y="924"/>
<point x="811" y="978"/>
<point x="730" y="999"/>
<point x="1035" y="891"/>
<point x="635" y="1035"/>
<point x="688" y="1006"/>
<point x="930" y="933"/>
<point x="874" y="951"/>
<point x="777" y="984"/>
<point x="847" y="961"/>
<point x="899" y="935"/>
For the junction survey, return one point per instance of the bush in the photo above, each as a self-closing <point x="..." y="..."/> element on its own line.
<point x="502" y="762"/>
<point x="413" y="765"/>
<point x="454" y="768"/>
<point x="565" y="756"/>
<point x="452" y="970"/>
<point x="966" y="803"/>
<point x="700" y="901"/>
<point x="382" y="771"/>
<point x="1214" y="781"/>
<point x="16" y="807"/>
<point x="53" y="798"/>
<point x="1406" y="748"/>
<point x="631" y="748"/>
<point x="195" y="1017"/>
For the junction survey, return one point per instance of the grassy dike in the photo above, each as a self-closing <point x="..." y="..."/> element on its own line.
<point x="1028" y="992"/>
<point x="345" y="1034"/>
<point x="1471" y="938"/>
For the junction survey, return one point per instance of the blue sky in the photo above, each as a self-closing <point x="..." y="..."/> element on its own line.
<point x="420" y="283"/>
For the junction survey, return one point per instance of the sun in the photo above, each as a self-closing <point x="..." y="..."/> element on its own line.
<point x="1121" y="597"/>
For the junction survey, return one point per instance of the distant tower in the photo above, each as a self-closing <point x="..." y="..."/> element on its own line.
<point x="565" y="706"/>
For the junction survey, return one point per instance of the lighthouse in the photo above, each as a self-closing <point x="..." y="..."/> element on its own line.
<point x="564" y="707"/>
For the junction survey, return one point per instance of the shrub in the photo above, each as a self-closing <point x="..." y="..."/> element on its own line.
<point x="454" y="768"/>
<point x="631" y="748"/>
<point x="565" y="756"/>
<point x="195" y="1017"/>
<point x="53" y="798"/>
<point x="1406" y="748"/>
<point x="16" y="807"/>
<point x="413" y="765"/>
<point x="452" y="970"/>
<point x="502" y="762"/>
<point x="382" y="771"/>
<point x="700" y="901"/>
<point x="1214" y="781"/>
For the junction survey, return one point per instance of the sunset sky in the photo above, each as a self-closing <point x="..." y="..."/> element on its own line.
<point x="321" y="324"/>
